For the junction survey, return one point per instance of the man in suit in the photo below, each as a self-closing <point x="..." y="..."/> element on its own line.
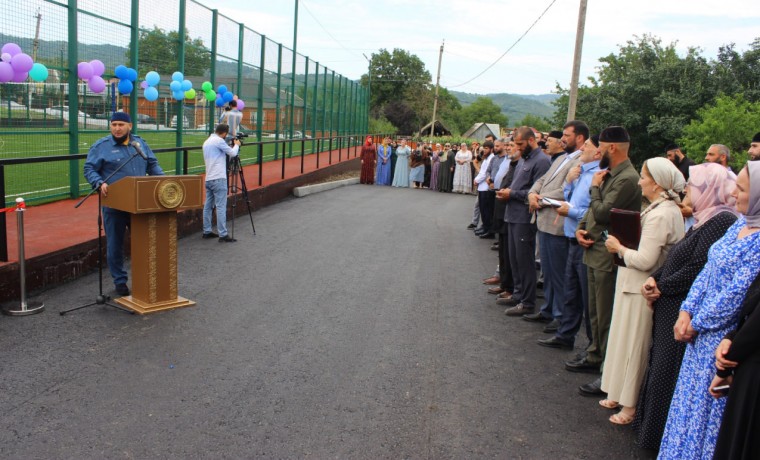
<point x="499" y="178"/>
<point x="533" y="164"/>
<point x="616" y="185"/>
<point x="552" y="243"/>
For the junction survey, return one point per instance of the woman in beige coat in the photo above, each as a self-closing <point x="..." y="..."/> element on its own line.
<point x="631" y="328"/>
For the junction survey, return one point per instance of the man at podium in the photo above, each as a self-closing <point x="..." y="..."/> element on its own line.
<point x="105" y="156"/>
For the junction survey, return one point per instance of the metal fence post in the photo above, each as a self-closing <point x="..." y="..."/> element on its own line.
<point x="26" y="308"/>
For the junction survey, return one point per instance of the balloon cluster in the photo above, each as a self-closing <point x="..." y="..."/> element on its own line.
<point x="208" y="91"/>
<point x="127" y="76"/>
<point x="92" y="73"/>
<point x="16" y="66"/>
<point x="152" y="79"/>
<point x="181" y="88"/>
<point x="223" y="96"/>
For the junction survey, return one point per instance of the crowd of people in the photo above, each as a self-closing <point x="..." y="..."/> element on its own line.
<point x="658" y="269"/>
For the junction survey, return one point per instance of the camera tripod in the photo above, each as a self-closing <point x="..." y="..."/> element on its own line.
<point x="235" y="173"/>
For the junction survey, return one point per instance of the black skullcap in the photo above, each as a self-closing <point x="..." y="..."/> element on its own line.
<point x="555" y="134"/>
<point x="615" y="135"/>
<point x="121" y="116"/>
<point x="671" y="146"/>
<point x="756" y="138"/>
<point x="595" y="140"/>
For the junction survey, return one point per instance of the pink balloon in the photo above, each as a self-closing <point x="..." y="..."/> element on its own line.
<point x="6" y="57"/>
<point x="240" y="104"/>
<point x="20" y="77"/>
<point x="96" y="84"/>
<point x="22" y="63"/>
<point x="84" y="70"/>
<point x="6" y="72"/>
<point x="11" y="48"/>
<point x="97" y="67"/>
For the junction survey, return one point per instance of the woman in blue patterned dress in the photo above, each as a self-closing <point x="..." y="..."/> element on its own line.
<point x="710" y="311"/>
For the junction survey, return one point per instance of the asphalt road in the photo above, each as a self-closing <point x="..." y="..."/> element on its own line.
<point x="354" y="325"/>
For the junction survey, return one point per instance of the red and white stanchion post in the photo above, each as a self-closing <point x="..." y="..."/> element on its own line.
<point x="26" y="307"/>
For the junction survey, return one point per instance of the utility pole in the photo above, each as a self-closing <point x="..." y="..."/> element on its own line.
<point x="577" y="61"/>
<point x="36" y="42"/>
<point x="437" y="85"/>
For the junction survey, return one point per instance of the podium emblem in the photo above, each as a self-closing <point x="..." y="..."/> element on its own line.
<point x="170" y="193"/>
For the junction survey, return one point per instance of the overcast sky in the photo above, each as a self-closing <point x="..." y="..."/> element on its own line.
<point x="477" y="32"/>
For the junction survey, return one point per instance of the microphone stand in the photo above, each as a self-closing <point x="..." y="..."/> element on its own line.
<point x="101" y="299"/>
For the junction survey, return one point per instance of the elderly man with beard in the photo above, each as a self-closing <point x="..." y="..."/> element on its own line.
<point x="552" y="243"/>
<point x="532" y="165"/>
<point x="616" y="185"/>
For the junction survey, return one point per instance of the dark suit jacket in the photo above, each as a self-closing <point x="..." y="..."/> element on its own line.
<point x="529" y="169"/>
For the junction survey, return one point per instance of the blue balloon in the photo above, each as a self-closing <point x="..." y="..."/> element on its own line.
<point x="178" y="95"/>
<point x="175" y="86"/>
<point x="131" y="74"/>
<point x="177" y="76"/>
<point x="187" y="85"/>
<point x="125" y="86"/>
<point x="219" y="102"/>
<point x="153" y="78"/>
<point x="151" y="93"/>
<point x="120" y="72"/>
<point x="221" y="90"/>
<point x="228" y="96"/>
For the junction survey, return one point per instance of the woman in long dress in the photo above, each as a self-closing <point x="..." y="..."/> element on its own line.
<point x="462" y="171"/>
<point x="384" y="163"/>
<point x="417" y="174"/>
<point x="710" y="311"/>
<point x="401" y="177"/>
<point x="435" y="163"/>
<point x="631" y="327"/>
<point x="368" y="155"/>
<point x="709" y="192"/>
<point x="446" y="170"/>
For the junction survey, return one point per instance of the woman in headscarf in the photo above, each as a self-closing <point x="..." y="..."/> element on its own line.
<point x="462" y="172"/>
<point x="368" y="162"/>
<point x="631" y="327"/>
<point x="384" y="163"/>
<point x="446" y="170"/>
<point x="709" y="190"/>
<point x="710" y="311"/>
<point x="435" y="163"/>
<point x="417" y="173"/>
<point x="401" y="177"/>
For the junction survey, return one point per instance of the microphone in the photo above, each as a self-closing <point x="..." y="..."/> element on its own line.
<point x="137" y="147"/>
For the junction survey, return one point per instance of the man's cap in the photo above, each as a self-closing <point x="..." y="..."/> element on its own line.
<point x="615" y="135"/>
<point x="121" y="116"/>
<point x="756" y="138"/>
<point x="595" y="140"/>
<point x="555" y="134"/>
<point x="671" y="146"/>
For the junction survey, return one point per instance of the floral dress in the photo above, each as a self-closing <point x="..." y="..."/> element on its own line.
<point x="713" y="302"/>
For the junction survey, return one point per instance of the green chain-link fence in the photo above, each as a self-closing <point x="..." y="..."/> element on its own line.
<point x="286" y="95"/>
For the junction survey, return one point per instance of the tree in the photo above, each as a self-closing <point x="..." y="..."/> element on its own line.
<point x="482" y="110"/>
<point x="737" y="73"/>
<point x="158" y="50"/>
<point x="730" y="120"/>
<point x="393" y="74"/>
<point x="540" y="123"/>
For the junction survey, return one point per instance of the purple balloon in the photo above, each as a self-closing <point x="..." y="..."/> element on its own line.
<point x="20" y="77"/>
<point x="97" y="67"/>
<point x="84" y="70"/>
<point x="22" y="63"/>
<point x="240" y="104"/>
<point x="6" y="72"/>
<point x="144" y="84"/>
<point x="6" y="57"/>
<point x="96" y="84"/>
<point x="11" y="48"/>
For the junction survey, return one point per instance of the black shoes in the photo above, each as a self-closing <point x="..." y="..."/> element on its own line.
<point x="555" y="342"/>
<point x="518" y="310"/>
<point x="592" y="389"/>
<point x="206" y="236"/>
<point x="487" y="236"/>
<point x="122" y="289"/>
<point x="552" y="327"/>
<point x="536" y="318"/>
<point x="226" y="239"/>
<point x="471" y="227"/>
<point x="582" y="365"/>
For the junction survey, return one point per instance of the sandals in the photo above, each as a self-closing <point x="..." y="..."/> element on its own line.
<point x="621" y="418"/>
<point x="609" y="404"/>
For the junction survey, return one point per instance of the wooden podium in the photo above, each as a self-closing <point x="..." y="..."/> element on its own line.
<point x="153" y="202"/>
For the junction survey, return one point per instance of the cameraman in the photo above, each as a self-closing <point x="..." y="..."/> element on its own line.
<point x="215" y="151"/>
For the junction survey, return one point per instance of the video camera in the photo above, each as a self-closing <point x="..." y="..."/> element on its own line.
<point x="241" y="136"/>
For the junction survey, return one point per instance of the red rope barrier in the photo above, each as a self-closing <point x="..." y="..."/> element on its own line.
<point x="21" y="205"/>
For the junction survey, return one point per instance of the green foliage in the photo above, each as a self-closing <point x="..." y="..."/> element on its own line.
<point x="482" y="110"/>
<point x="158" y="50"/>
<point x="730" y="120"/>
<point x="540" y="123"/>
<point x="515" y="106"/>
<point x="381" y="125"/>
<point x="392" y="75"/>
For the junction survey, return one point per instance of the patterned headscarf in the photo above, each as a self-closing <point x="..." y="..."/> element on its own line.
<point x="710" y="188"/>
<point x="753" y="210"/>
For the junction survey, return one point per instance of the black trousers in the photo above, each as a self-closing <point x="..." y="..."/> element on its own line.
<point x="485" y="203"/>
<point x="505" y="269"/>
<point x="522" y="257"/>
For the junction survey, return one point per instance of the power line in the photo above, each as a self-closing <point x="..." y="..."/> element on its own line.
<point x="509" y="49"/>
<point x="324" y="28"/>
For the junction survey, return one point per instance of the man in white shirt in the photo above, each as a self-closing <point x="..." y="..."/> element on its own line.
<point x="486" y="197"/>
<point x="215" y="151"/>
